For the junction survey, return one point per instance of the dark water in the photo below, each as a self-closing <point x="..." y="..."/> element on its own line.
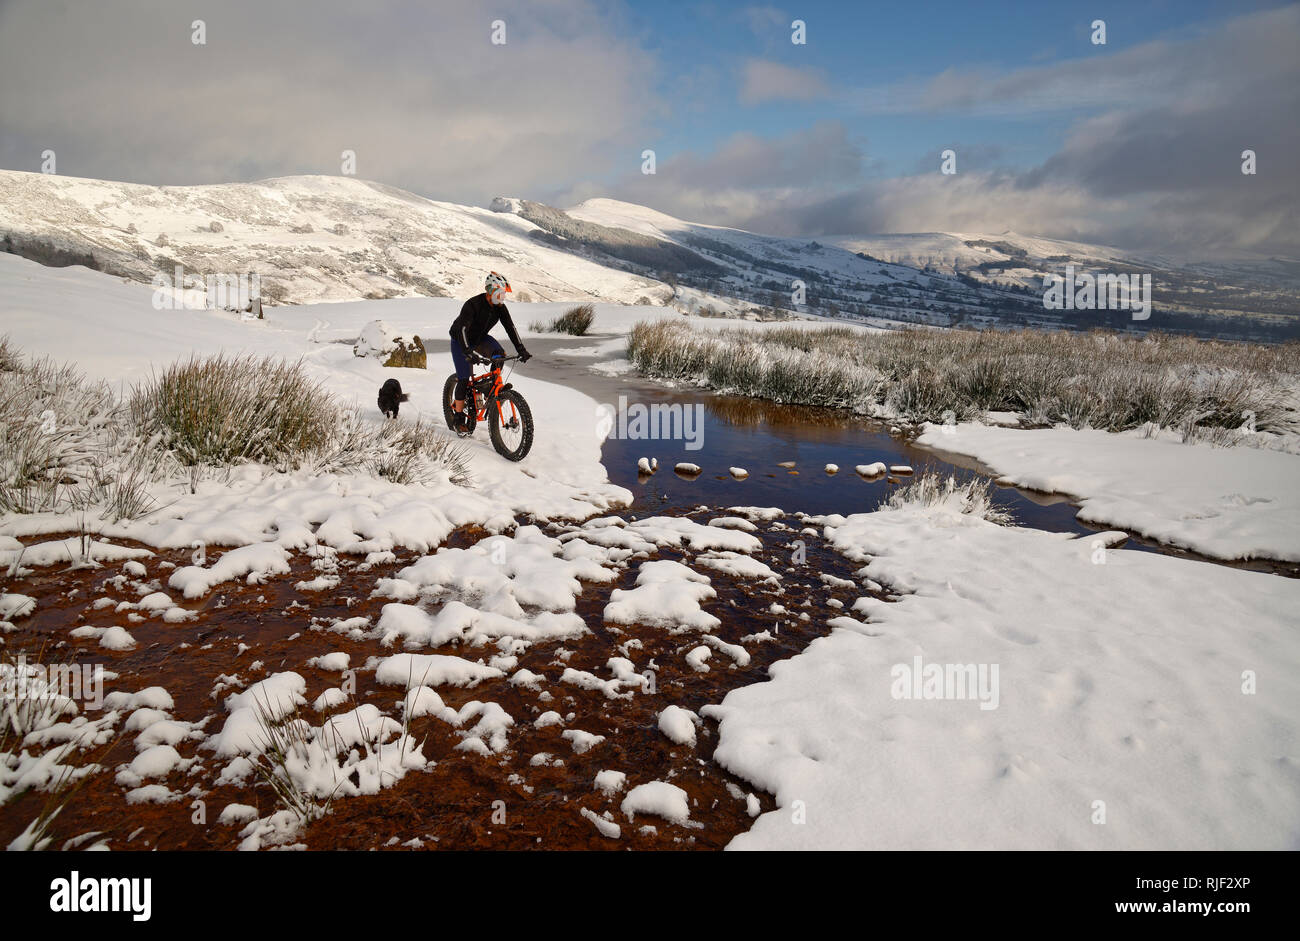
<point x="759" y="436"/>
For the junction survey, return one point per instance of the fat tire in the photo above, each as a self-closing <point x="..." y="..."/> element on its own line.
<point x="525" y="419"/>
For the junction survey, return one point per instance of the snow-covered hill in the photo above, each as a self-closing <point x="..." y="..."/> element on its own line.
<point x="1009" y="254"/>
<point x="976" y="278"/>
<point x="310" y="238"/>
<point x="325" y="238"/>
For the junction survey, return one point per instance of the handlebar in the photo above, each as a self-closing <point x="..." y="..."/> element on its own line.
<point x="480" y="358"/>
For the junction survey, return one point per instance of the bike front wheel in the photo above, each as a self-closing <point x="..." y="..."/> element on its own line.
<point x="510" y="425"/>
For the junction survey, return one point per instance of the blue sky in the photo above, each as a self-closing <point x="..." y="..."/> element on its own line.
<point x="1134" y="143"/>
<point x="702" y="46"/>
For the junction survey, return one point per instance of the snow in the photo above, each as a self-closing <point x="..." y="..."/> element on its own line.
<point x="60" y="551"/>
<point x="233" y="814"/>
<point x="376" y="339"/>
<point x="585" y="680"/>
<point x="658" y="798"/>
<point x="266" y="558"/>
<point x="548" y="718"/>
<point x="163" y="732"/>
<point x="527" y="679"/>
<point x="152" y="794"/>
<point x="1225" y="503"/>
<point x="116" y="638"/>
<point x="678" y="724"/>
<point x="766" y="513"/>
<point x="733" y="522"/>
<point x="739" y="565"/>
<point x="152" y="697"/>
<point x="504" y="573"/>
<point x="610" y="783"/>
<point x="697" y="658"/>
<point x="329" y="699"/>
<point x="360" y="726"/>
<point x="1120" y="682"/>
<point x="739" y="655"/>
<point x="581" y="741"/>
<point x="110" y="638"/>
<point x="423" y="701"/>
<point x="335" y="662"/>
<point x="277" y="695"/>
<point x="432" y="670"/>
<point x="156" y="762"/>
<point x="667" y="594"/>
<point x="607" y="828"/>
<point x="665" y="531"/>
<point x="14" y="606"/>
<point x="442" y="243"/>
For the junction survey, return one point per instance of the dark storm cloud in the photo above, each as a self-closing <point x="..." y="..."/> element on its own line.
<point x="119" y="91"/>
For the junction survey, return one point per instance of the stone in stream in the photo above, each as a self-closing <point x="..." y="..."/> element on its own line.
<point x="871" y="470"/>
<point x="687" y="470"/>
<point x="739" y="473"/>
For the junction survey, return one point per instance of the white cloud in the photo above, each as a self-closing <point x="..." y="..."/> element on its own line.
<point x="762" y="80"/>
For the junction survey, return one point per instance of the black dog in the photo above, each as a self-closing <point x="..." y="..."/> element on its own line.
<point x="391" y="397"/>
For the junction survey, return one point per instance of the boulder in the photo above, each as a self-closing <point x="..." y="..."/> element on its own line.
<point x="410" y="354"/>
<point x="380" y="340"/>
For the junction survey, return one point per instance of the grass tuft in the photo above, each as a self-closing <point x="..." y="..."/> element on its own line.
<point x="228" y="410"/>
<point x="973" y="497"/>
<point x="576" y="321"/>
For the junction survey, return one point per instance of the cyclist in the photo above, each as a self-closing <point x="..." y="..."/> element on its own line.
<point x="471" y="334"/>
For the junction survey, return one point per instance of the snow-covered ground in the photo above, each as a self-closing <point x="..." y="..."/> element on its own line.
<point x="110" y="330"/>
<point x="1227" y="503"/>
<point x="1116" y="700"/>
<point x="1119" y="699"/>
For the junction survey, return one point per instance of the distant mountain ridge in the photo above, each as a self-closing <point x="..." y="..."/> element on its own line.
<point x="326" y="238"/>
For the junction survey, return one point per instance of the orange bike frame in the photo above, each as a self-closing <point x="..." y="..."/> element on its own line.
<point x="481" y="407"/>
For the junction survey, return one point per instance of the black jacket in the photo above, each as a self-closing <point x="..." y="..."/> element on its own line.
<point x="476" y="320"/>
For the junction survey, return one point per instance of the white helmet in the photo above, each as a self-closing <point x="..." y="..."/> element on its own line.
<point x="494" y="283"/>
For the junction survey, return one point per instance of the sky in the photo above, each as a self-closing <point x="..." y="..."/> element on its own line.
<point x="1136" y="142"/>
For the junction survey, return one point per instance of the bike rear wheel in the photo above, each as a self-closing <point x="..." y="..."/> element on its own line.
<point x="449" y="396"/>
<point x="510" y="425"/>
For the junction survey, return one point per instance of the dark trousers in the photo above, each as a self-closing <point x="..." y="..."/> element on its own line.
<point x="485" y="347"/>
